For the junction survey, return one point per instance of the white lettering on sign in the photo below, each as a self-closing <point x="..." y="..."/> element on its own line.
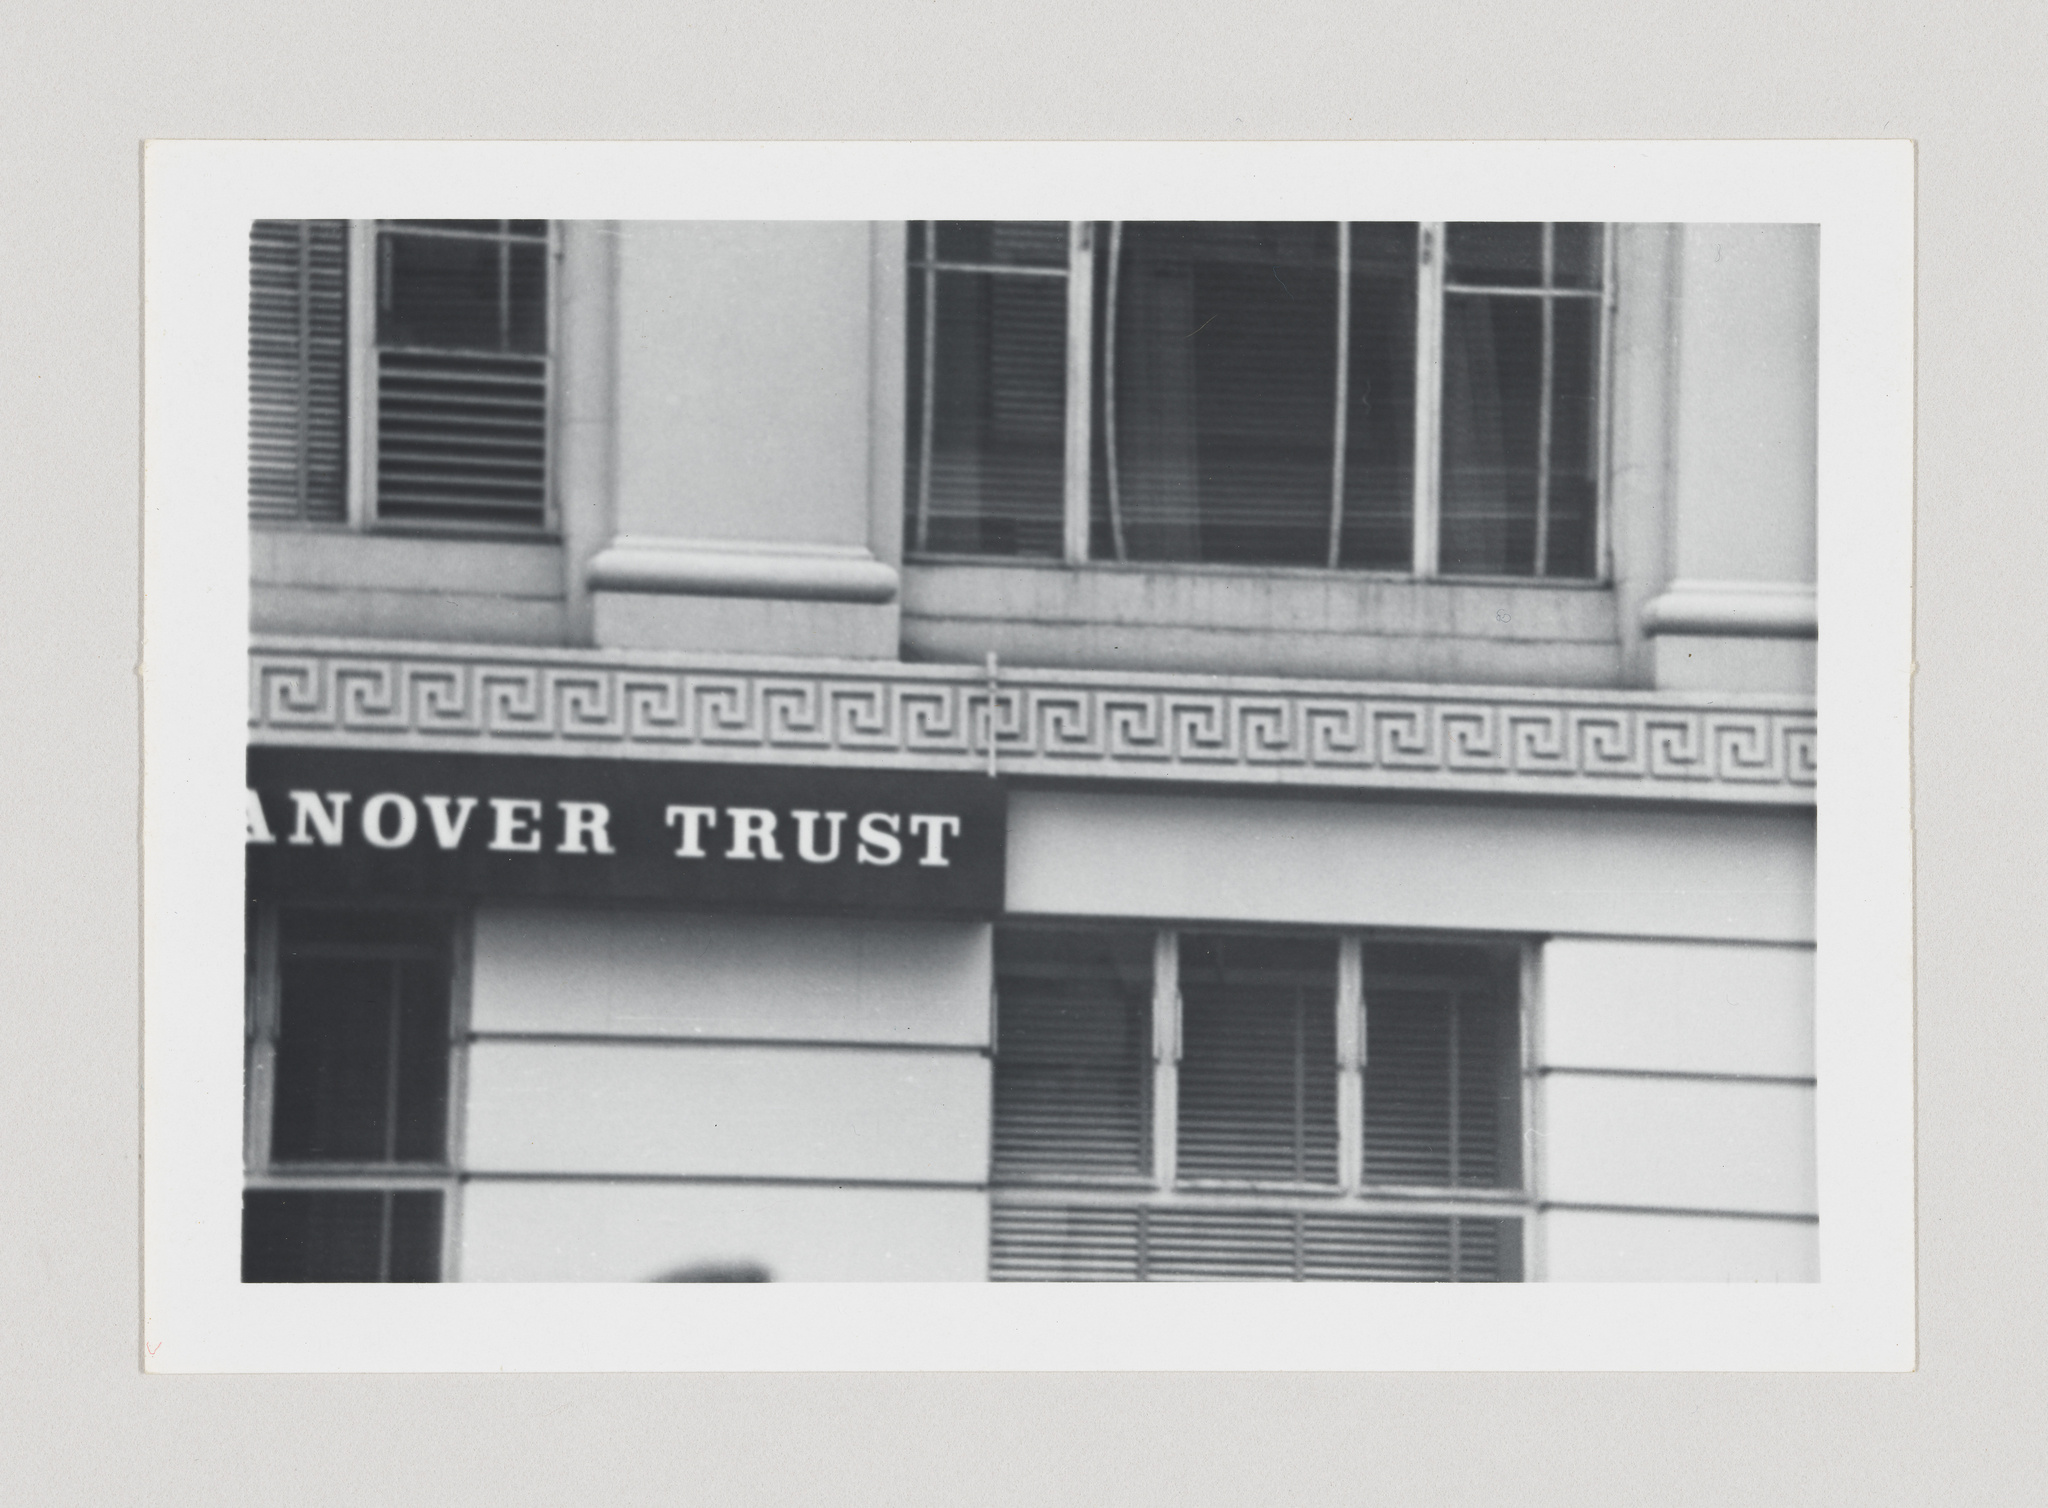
<point x="311" y="809"/>
<point x="752" y="825"/>
<point x="518" y="825"/>
<point x="806" y="846"/>
<point x="373" y="820"/>
<point x="448" y="830"/>
<point x="585" y="821"/>
<point x="391" y="820"/>
<point x="692" y="819"/>
<point x="935" y="830"/>
<point x="878" y="841"/>
<point x="255" y="823"/>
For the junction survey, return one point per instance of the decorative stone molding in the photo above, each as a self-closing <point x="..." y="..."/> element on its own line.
<point x="1049" y="724"/>
<point x="719" y="568"/>
<point x="1734" y="609"/>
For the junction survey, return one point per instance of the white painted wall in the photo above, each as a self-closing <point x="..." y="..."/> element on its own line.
<point x="1675" y="1077"/>
<point x="1379" y="863"/>
<point x="548" y="1232"/>
<point x="603" y="1049"/>
<point x="658" y="973"/>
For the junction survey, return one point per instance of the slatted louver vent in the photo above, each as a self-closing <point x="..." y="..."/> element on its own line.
<point x="462" y="439"/>
<point x="1063" y="1242"/>
<point x="1258" y="1074"/>
<point x="298" y="370"/>
<point x="1073" y="1070"/>
<point x="1066" y="1242"/>
<point x="462" y="372"/>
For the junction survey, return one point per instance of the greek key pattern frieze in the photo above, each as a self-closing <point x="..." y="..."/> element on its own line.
<point x="1090" y="725"/>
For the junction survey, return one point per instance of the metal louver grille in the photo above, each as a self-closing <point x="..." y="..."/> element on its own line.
<point x="1079" y="1242"/>
<point x="1073" y="1070"/>
<point x="462" y="438"/>
<point x="298" y="370"/>
<point x="1258" y="1073"/>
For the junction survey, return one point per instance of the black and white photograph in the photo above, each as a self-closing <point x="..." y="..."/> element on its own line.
<point x="797" y="749"/>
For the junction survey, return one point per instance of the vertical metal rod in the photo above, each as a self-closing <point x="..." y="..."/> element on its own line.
<point x="1429" y="341"/>
<point x="385" y="1211"/>
<point x="1546" y="400"/>
<point x="924" y="414"/>
<point x="994" y="699"/>
<point x="1340" y="428"/>
<point x="1110" y="468"/>
<point x="1080" y="344"/>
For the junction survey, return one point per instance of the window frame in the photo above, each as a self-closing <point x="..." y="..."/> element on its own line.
<point x="262" y="1012"/>
<point x="1162" y="1187"/>
<point x="359" y="440"/>
<point x="1426" y="480"/>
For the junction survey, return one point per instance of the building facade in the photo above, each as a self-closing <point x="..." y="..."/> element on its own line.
<point x="967" y="750"/>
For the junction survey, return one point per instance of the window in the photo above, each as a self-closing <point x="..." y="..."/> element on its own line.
<point x="1210" y="1104"/>
<point x="349" y="1066"/>
<point x="1416" y="398"/>
<point x="400" y="372"/>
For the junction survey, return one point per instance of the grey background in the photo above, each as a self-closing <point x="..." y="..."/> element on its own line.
<point x="82" y="84"/>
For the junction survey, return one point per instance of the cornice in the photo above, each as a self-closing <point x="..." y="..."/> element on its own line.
<point x="1230" y="731"/>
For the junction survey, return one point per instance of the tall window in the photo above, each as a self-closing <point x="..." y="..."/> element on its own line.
<point x="400" y="372"/>
<point x="1252" y="1105"/>
<point x="1416" y="398"/>
<point x="348" y="1074"/>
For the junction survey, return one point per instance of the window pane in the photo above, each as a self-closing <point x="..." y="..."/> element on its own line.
<point x="1493" y="385"/>
<point x="1258" y="1079"/>
<point x="341" y="1236"/>
<point x="1216" y="395"/>
<point x="1442" y="1070"/>
<point x="1022" y="243"/>
<point x="362" y="1060"/>
<point x="443" y="291"/>
<point x="1073" y="1068"/>
<point x="1379" y="440"/>
<point x="1574" y="438"/>
<point x="527" y="308"/>
<point x="997" y="429"/>
<point x="1503" y="254"/>
<point x="1575" y="255"/>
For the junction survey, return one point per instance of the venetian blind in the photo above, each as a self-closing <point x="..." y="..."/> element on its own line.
<point x="1442" y="1072"/>
<point x="1073" y="1076"/>
<point x="1258" y="1071"/>
<point x="298" y="370"/>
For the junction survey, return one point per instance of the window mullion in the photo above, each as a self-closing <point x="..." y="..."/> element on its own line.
<point x="1429" y="339"/>
<point x="1166" y="1042"/>
<point x="927" y="387"/>
<point x="262" y="1088"/>
<point x="1602" y="567"/>
<point x="1080" y="343"/>
<point x="1545" y="401"/>
<point x="1350" y="1066"/>
<point x="1341" y="418"/>
<point x="363" y="284"/>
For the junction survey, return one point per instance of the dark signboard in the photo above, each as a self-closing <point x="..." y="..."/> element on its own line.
<point x="376" y="825"/>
